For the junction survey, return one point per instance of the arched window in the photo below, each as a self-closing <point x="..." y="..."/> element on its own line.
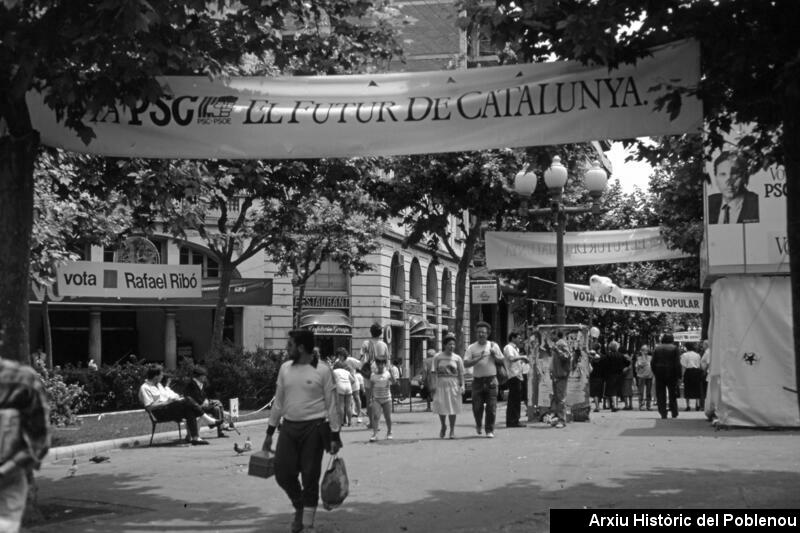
<point x="432" y="285"/>
<point x="415" y="284"/>
<point x="398" y="281"/>
<point x="447" y="293"/>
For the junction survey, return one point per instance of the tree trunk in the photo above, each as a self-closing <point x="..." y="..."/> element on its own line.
<point x="225" y="276"/>
<point x="48" y="334"/>
<point x="461" y="282"/>
<point x="791" y="150"/>
<point x="298" y="308"/>
<point x="17" y="157"/>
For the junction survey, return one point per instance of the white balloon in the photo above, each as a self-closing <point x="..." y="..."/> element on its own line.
<point x="594" y="332"/>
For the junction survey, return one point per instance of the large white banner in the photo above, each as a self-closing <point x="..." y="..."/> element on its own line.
<point x="635" y="300"/>
<point x="507" y="250"/>
<point x="131" y="280"/>
<point x="393" y="114"/>
<point x="745" y="214"/>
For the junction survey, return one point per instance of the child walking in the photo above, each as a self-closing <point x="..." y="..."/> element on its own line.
<point x="382" y="381"/>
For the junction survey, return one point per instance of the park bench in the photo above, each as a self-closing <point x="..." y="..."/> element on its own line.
<point x="157" y="420"/>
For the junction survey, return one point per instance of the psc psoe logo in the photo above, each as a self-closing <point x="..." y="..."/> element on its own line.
<point x="181" y="110"/>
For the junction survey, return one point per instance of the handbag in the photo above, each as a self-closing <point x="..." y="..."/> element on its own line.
<point x="335" y="486"/>
<point x="262" y="464"/>
<point x="502" y="371"/>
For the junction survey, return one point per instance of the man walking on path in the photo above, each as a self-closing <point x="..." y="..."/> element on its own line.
<point x="24" y="438"/>
<point x="483" y="356"/>
<point x="666" y="366"/>
<point x="514" y="362"/>
<point x="305" y="395"/>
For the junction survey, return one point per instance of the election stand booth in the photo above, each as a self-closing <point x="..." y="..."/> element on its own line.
<point x="745" y="262"/>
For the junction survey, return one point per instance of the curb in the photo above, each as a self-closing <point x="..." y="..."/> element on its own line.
<point x="93" y="448"/>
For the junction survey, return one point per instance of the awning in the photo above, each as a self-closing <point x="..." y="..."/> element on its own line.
<point x="327" y="322"/>
<point x="419" y="328"/>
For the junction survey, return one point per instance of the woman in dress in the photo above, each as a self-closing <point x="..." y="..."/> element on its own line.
<point x="448" y="382"/>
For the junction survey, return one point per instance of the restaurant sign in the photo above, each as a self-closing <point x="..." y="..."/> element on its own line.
<point x="325" y="302"/>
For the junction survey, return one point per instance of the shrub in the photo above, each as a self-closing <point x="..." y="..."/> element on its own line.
<point x="249" y="376"/>
<point x="65" y="399"/>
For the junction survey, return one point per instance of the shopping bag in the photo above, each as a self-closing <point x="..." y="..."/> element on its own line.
<point x="335" y="485"/>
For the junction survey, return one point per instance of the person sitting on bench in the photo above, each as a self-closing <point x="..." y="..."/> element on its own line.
<point x="166" y="404"/>
<point x="195" y="391"/>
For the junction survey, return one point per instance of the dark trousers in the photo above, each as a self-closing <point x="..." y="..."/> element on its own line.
<point x="185" y="409"/>
<point x="514" y="400"/>
<point x="525" y="389"/>
<point x="299" y="453"/>
<point x="484" y="391"/>
<point x="559" y="402"/>
<point x="664" y="387"/>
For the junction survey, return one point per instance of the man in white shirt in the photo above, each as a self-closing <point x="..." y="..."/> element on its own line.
<point x="481" y="357"/>
<point x="514" y="365"/>
<point x="305" y="395"/>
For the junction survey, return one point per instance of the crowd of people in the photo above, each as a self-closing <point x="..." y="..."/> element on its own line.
<point x="655" y="377"/>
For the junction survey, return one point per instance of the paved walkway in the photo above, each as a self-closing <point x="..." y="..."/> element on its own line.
<point x="419" y="483"/>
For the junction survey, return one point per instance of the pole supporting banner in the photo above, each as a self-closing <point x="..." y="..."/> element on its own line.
<point x="391" y="114"/>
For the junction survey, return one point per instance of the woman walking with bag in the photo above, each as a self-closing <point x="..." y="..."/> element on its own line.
<point x="448" y="382"/>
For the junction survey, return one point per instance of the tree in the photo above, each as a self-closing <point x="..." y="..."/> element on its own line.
<point x="342" y="224"/>
<point x="427" y="191"/>
<point x="90" y="55"/>
<point x="749" y="61"/>
<point x="67" y="219"/>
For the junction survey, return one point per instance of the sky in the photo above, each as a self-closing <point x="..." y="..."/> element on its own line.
<point x="630" y="174"/>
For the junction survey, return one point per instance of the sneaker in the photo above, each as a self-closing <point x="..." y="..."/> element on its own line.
<point x="358" y="420"/>
<point x="373" y="438"/>
<point x="490" y="435"/>
<point x="560" y="425"/>
<point x="389" y="436"/>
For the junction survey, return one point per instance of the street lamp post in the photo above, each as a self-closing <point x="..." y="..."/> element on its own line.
<point x="555" y="177"/>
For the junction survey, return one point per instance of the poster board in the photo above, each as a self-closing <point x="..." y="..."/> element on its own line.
<point x="752" y="238"/>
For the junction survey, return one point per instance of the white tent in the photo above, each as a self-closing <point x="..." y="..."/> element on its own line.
<point x="752" y="352"/>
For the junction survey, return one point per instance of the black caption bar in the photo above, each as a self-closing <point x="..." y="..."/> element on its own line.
<point x="683" y="520"/>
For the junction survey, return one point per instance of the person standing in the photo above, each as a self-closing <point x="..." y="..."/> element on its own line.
<point x="514" y="363"/>
<point x="627" y="381"/>
<point x="483" y="356"/>
<point x="448" y="381"/>
<point x="370" y="350"/>
<point x="382" y="380"/>
<point x="559" y="373"/>
<point x="692" y="377"/>
<point x="345" y="383"/>
<point x="666" y="366"/>
<point x="305" y="395"/>
<point x="24" y="437"/>
<point x="644" y="378"/>
<point x="428" y="378"/>
<point x="614" y="365"/>
<point x="596" y="377"/>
